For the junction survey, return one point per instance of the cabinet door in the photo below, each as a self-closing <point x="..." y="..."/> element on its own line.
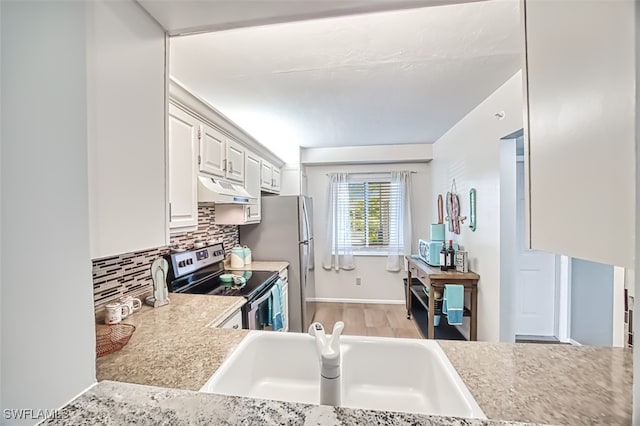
<point x="266" y="175"/>
<point x="212" y="151"/>
<point x="253" y="168"/>
<point x="581" y="128"/>
<point x="235" y="161"/>
<point x="183" y="146"/>
<point x="276" y="179"/>
<point x="234" y="321"/>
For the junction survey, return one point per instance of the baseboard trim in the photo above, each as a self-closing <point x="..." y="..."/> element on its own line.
<point x="372" y="301"/>
<point x="573" y="342"/>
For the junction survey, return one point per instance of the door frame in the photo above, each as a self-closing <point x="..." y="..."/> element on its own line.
<point x="563" y="300"/>
<point x="562" y="305"/>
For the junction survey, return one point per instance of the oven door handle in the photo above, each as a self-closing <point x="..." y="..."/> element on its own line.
<point x="266" y="295"/>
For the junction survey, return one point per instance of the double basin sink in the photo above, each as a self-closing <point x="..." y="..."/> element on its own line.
<point x="391" y="374"/>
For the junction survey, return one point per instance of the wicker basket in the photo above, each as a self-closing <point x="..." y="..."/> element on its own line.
<point x="112" y="338"/>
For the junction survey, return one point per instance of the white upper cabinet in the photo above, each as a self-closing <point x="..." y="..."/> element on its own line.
<point x="183" y="148"/>
<point x="580" y="79"/>
<point x="222" y="150"/>
<point x="253" y="167"/>
<point x="220" y="156"/>
<point x="242" y="214"/>
<point x="270" y="178"/>
<point x="212" y="151"/>
<point x="266" y="174"/>
<point x="235" y="161"/>
<point x="276" y="179"/>
<point x="126" y="114"/>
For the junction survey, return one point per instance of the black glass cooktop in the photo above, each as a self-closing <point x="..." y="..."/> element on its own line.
<point x="208" y="282"/>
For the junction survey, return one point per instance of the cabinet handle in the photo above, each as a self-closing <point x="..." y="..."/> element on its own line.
<point x="224" y="165"/>
<point x="230" y="166"/>
<point x="235" y="326"/>
<point x="169" y="211"/>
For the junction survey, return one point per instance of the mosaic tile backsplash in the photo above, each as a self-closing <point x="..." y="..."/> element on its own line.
<point x="130" y="273"/>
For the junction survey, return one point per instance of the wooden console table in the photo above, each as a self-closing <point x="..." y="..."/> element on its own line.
<point x="433" y="278"/>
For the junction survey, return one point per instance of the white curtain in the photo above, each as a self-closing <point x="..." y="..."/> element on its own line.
<point x="338" y="252"/>
<point x="400" y="222"/>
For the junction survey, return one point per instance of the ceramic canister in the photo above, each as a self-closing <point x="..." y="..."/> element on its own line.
<point x="237" y="257"/>
<point x="437" y="232"/>
<point x="247" y="255"/>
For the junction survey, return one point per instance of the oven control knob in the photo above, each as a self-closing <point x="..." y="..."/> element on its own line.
<point x="189" y="261"/>
<point x="181" y="264"/>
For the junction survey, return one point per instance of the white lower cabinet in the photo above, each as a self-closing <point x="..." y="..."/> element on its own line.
<point x="233" y="321"/>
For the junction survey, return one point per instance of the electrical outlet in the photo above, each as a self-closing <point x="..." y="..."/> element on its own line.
<point x="358" y="281"/>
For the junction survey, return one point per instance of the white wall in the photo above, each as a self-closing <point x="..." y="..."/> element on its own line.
<point x="591" y="303"/>
<point x="378" y="284"/>
<point x="508" y="241"/>
<point x="470" y="153"/>
<point x="126" y="119"/>
<point x="368" y="154"/>
<point x="48" y="339"/>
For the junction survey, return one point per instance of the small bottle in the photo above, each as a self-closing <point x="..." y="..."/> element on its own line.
<point x="451" y="256"/>
<point x="443" y="257"/>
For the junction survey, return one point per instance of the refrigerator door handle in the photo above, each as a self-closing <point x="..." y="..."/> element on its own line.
<point x="305" y="215"/>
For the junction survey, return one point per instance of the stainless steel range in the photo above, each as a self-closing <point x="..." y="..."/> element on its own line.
<point x="198" y="271"/>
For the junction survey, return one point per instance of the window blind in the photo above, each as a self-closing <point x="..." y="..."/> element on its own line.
<point x="372" y="209"/>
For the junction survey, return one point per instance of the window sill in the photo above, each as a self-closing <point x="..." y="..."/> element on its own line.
<point x="368" y="254"/>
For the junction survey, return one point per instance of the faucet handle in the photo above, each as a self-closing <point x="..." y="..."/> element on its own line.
<point x="338" y="327"/>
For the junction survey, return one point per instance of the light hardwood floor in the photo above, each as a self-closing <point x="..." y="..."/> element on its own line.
<point x="367" y="319"/>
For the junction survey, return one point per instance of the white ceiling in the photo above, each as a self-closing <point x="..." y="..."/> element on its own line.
<point x="381" y="78"/>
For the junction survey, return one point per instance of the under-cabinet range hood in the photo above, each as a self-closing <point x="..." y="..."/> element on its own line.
<point x="212" y="190"/>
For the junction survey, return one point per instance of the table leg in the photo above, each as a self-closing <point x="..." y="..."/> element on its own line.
<point x="474" y="314"/>
<point x="431" y="332"/>
<point x="407" y="295"/>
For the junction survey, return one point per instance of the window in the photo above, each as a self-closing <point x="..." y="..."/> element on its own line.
<point x="374" y="208"/>
<point x="369" y="213"/>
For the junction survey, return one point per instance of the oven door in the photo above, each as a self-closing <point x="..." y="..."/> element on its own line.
<point x="258" y="312"/>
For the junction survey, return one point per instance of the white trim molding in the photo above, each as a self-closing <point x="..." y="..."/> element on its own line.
<point x="574" y="343"/>
<point x="618" y="307"/>
<point x="564" y="300"/>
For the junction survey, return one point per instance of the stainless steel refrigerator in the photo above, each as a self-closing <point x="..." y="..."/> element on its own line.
<point x="285" y="232"/>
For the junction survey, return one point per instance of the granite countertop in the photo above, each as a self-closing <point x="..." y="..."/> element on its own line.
<point x="173" y="348"/>
<point x="559" y="384"/>
<point x="175" y="345"/>
<point x="260" y="265"/>
<point x="112" y="403"/>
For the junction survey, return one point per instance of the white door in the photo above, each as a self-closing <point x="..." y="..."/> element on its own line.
<point x="535" y="278"/>
<point x="183" y="148"/>
<point x="252" y="185"/>
<point x="235" y="161"/>
<point x="212" y="151"/>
